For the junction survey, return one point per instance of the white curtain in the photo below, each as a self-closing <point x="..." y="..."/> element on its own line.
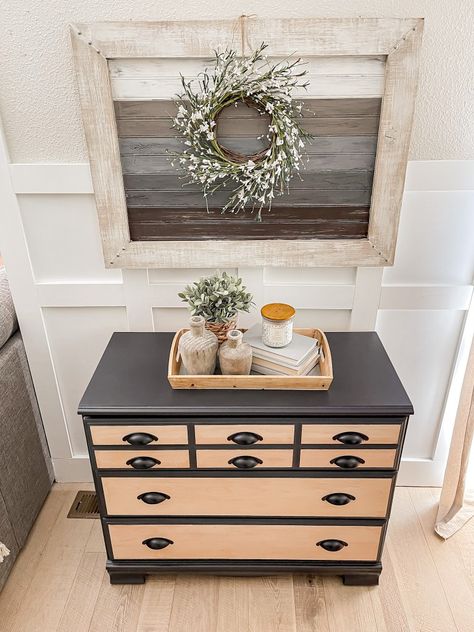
<point x="456" y="506"/>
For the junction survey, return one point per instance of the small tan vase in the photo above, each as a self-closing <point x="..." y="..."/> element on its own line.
<point x="235" y="356"/>
<point x="198" y="348"/>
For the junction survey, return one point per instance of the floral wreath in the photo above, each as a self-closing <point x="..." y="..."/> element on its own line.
<point x="252" y="181"/>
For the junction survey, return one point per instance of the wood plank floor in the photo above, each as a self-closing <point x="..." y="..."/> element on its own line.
<point x="59" y="584"/>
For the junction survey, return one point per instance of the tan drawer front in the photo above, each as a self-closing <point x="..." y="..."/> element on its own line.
<point x="264" y="542"/>
<point x="244" y="459"/>
<point x="141" y="459"/>
<point x="211" y="434"/>
<point x="348" y="459"/>
<point x="114" y="435"/>
<point x="325" y="433"/>
<point x="230" y="496"/>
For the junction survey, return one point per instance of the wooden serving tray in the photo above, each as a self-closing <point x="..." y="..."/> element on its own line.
<point x="320" y="382"/>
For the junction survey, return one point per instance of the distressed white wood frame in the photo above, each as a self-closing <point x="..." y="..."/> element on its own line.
<point x="398" y="39"/>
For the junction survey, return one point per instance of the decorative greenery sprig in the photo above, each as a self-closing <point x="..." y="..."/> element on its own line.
<point x="217" y="297"/>
<point x="252" y="181"/>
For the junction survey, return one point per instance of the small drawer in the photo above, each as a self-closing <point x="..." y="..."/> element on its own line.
<point x="245" y="541"/>
<point x="351" y="434"/>
<point x="139" y="436"/>
<point x="244" y="434"/>
<point x="348" y="460"/>
<point x="244" y="459"/>
<point x="140" y="460"/>
<point x="246" y="496"/>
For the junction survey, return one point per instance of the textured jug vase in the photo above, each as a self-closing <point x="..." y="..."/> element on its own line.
<point x="235" y="356"/>
<point x="198" y="348"/>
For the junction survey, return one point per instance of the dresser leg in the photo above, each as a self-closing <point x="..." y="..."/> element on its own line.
<point x="123" y="578"/>
<point x="367" y="579"/>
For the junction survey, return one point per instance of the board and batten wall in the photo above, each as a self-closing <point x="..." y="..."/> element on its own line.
<point x="68" y="303"/>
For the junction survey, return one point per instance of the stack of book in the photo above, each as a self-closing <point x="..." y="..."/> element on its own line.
<point x="298" y="358"/>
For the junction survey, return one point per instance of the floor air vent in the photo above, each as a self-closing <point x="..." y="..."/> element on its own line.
<point x="85" y="505"/>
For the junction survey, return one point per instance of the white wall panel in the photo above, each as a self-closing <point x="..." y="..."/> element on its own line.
<point x="182" y="275"/>
<point x="325" y="319"/>
<point x="63" y="239"/>
<point x="435" y="239"/>
<point x="69" y="304"/>
<point x="422" y="346"/>
<point x="309" y="276"/>
<point x="77" y="338"/>
<point x="170" y="318"/>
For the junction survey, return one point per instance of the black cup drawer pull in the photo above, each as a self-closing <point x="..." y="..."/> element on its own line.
<point x="332" y="545"/>
<point x="347" y="462"/>
<point x="153" y="498"/>
<point x="245" y="462"/>
<point x="351" y="438"/>
<point x="245" y="438"/>
<point x="143" y="462"/>
<point x="157" y="543"/>
<point x="139" y="438"/>
<point x="338" y="498"/>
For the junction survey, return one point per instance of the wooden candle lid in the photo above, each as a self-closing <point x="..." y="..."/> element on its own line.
<point x="278" y="311"/>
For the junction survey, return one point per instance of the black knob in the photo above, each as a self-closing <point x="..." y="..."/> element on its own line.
<point x="332" y="545"/>
<point x="153" y="498"/>
<point x="245" y="438"/>
<point x="143" y="462"/>
<point x="338" y="498"/>
<point x="157" y="543"/>
<point x="347" y="462"/>
<point x="351" y="438"/>
<point x="245" y="462"/>
<point x="139" y="438"/>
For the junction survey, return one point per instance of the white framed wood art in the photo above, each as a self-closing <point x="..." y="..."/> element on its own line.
<point x="363" y="79"/>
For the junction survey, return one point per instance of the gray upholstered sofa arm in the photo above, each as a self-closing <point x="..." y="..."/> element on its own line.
<point x="8" y="321"/>
<point x="26" y="473"/>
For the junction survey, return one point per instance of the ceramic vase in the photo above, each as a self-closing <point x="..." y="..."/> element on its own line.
<point x="198" y="348"/>
<point x="235" y="356"/>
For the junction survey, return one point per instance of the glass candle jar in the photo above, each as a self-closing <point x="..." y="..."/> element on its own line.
<point x="277" y="324"/>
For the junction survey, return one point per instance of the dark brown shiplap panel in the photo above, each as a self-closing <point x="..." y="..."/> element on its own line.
<point x="320" y="145"/>
<point x="150" y="224"/>
<point x="341" y="162"/>
<point x="300" y="197"/>
<point x="331" y="126"/>
<point x="351" y="180"/>
<point x="312" y="107"/>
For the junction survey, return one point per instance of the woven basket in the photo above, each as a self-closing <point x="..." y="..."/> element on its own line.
<point x="221" y="329"/>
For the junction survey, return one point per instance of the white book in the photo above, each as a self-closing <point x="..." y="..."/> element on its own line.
<point x="292" y="355"/>
<point x="259" y="370"/>
<point x="301" y="369"/>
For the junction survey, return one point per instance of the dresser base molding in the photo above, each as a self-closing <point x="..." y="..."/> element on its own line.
<point x="353" y="574"/>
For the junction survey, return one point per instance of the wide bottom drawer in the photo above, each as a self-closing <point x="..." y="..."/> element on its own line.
<point x="244" y="496"/>
<point x="246" y="541"/>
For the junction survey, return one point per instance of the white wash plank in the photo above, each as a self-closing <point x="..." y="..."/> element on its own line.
<point x="104" y="153"/>
<point x="320" y="86"/>
<point x="153" y="68"/>
<point x="198" y="38"/>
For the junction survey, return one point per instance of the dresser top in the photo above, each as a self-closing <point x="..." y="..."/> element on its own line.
<point x="131" y="379"/>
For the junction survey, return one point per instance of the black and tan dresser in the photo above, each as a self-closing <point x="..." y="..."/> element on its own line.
<point x="244" y="482"/>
